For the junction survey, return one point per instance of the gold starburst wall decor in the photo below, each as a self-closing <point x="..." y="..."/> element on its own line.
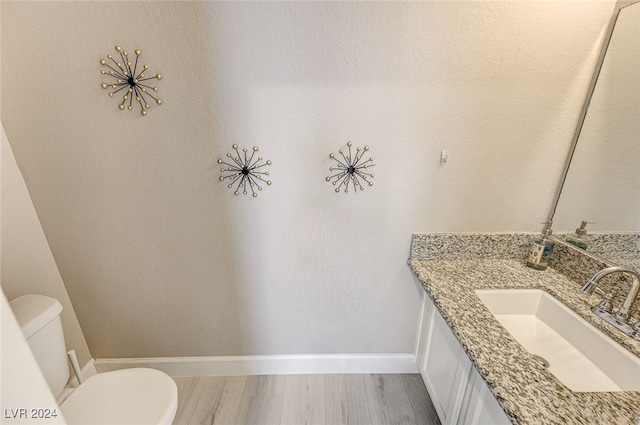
<point x="350" y="168"/>
<point x="244" y="170"/>
<point x="129" y="81"/>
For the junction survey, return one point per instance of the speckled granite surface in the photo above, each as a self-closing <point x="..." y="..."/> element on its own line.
<point x="528" y="393"/>
<point x="470" y="245"/>
<point x="617" y="246"/>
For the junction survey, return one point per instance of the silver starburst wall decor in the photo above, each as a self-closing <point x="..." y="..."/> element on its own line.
<point x="350" y="169"/>
<point x="129" y="81"/>
<point x="244" y="172"/>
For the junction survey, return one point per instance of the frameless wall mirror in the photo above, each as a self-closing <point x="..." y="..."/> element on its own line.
<point x="602" y="176"/>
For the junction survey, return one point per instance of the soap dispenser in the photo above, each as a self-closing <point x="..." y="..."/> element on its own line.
<point x="541" y="249"/>
<point x="579" y="238"/>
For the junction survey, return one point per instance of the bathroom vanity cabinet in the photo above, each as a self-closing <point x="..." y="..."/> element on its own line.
<point x="465" y="356"/>
<point x="457" y="390"/>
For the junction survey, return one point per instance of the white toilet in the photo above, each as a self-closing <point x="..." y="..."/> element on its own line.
<point x="139" y="396"/>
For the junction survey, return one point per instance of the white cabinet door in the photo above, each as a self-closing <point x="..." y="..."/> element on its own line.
<point x="480" y="406"/>
<point x="443" y="364"/>
<point x="457" y="390"/>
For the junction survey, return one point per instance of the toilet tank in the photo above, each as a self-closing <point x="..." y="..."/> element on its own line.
<point x="39" y="318"/>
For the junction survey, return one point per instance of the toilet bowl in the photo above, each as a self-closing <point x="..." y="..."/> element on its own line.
<point x="139" y="396"/>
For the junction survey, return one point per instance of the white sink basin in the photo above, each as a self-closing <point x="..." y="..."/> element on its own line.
<point x="579" y="355"/>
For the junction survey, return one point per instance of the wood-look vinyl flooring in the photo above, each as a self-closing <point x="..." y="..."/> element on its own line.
<point x="389" y="399"/>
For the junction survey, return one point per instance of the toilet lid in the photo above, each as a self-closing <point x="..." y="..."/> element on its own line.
<point x="138" y="396"/>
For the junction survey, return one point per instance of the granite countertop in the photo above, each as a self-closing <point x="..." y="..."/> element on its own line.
<point x="528" y="393"/>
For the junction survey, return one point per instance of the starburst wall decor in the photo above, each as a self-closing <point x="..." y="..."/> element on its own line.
<point x="245" y="171"/>
<point x="350" y="169"/>
<point x="126" y="77"/>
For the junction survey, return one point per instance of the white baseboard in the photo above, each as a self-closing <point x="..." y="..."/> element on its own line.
<point x="269" y="365"/>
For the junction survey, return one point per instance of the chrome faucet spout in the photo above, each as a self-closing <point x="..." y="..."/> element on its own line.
<point x="623" y="312"/>
<point x="589" y="287"/>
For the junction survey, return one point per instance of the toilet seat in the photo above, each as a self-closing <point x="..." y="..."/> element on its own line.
<point x="138" y="396"/>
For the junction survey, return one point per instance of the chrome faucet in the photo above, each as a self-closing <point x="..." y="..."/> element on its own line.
<point x="620" y="318"/>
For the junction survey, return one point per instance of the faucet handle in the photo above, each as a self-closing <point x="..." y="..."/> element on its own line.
<point x="606" y="304"/>
<point x="622" y="315"/>
<point x="636" y="328"/>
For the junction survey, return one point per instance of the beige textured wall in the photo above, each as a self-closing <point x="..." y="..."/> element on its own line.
<point x="27" y="265"/>
<point x="160" y="259"/>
